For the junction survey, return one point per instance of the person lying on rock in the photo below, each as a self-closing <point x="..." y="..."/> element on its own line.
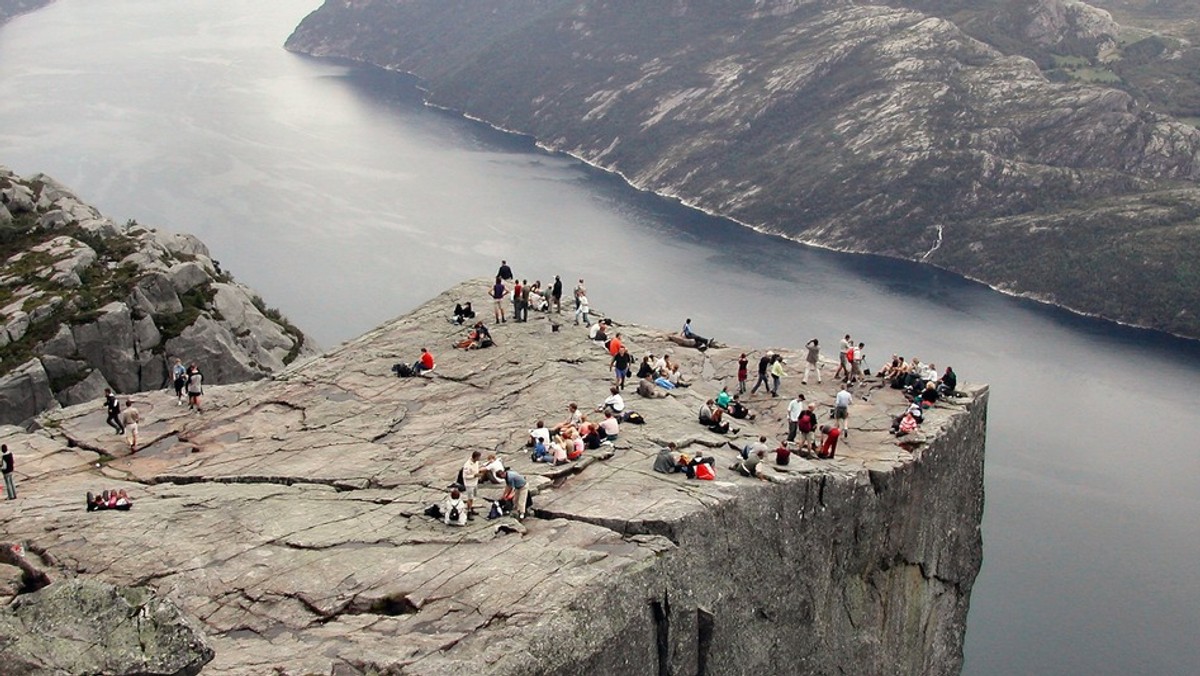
<point x="454" y="509"/>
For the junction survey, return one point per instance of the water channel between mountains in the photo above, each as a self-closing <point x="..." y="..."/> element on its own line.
<point x="341" y="198"/>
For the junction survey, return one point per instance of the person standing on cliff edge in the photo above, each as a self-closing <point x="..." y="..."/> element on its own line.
<point x="6" y="466"/>
<point x="504" y="272"/>
<point x="556" y="294"/>
<point x="498" y="293"/>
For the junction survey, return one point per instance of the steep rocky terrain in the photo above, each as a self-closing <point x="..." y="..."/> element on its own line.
<point x="288" y="519"/>
<point x="87" y="304"/>
<point x="874" y="128"/>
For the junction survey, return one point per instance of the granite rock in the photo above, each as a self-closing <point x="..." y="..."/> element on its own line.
<point x="288" y="517"/>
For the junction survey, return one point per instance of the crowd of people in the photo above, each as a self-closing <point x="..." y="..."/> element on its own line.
<point x="658" y="376"/>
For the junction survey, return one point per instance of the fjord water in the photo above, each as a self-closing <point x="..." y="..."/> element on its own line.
<point x="344" y="201"/>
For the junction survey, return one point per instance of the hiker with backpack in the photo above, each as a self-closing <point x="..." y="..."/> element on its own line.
<point x="454" y="509"/>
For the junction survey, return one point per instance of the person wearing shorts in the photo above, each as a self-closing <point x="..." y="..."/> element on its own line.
<point x="498" y="293"/>
<point x="470" y="473"/>
<point x="841" y="408"/>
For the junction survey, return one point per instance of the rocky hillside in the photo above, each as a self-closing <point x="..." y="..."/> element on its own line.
<point x="885" y="129"/>
<point x="289" y="520"/>
<point x="87" y="304"/>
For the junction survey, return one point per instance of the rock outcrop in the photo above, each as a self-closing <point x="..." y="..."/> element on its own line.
<point x="87" y="304"/>
<point x="857" y="127"/>
<point x="84" y="626"/>
<point x="288" y="518"/>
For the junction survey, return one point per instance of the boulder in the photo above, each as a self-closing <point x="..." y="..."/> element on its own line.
<point x="155" y="294"/>
<point x="25" y="392"/>
<point x="90" y="389"/>
<point x="83" y="626"/>
<point x="61" y="345"/>
<point x="187" y="276"/>
<point x="108" y="344"/>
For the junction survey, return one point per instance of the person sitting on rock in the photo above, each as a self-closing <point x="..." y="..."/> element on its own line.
<point x="646" y="368"/>
<point x="574" y="418"/>
<point x="948" y="383"/>
<point x="423" y="363"/>
<point x="614" y="402"/>
<point x="609" y="428"/>
<point x="905" y="424"/>
<point x="752" y="447"/>
<point x="723" y="399"/>
<point x="752" y="466"/>
<point x="673" y="372"/>
<point x="590" y="433"/>
<point x="454" y="509"/>
<point x="646" y="388"/>
<point x="928" y="396"/>
<point x="667" y="460"/>
<point x="539" y="431"/>
<point x="463" y="312"/>
<point x="701" y="342"/>
<point x="492" y="467"/>
<point x="710" y="417"/>
<point x="738" y="410"/>
<point x="597" y="331"/>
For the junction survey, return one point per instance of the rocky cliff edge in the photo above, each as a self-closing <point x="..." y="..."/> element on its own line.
<point x="287" y="518"/>
<point x="88" y="304"/>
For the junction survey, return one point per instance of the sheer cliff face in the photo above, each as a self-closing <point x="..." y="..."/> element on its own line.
<point x="863" y="128"/>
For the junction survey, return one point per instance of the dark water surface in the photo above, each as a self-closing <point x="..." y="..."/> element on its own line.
<point x="345" y="202"/>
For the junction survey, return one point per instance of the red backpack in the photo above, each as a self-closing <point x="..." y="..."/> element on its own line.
<point x="705" y="472"/>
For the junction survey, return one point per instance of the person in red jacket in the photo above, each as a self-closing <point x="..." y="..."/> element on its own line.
<point x="425" y="363"/>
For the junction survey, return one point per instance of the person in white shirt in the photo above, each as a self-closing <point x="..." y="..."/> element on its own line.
<point x="540" y="432"/>
<point x="841" y="408"/>
<point x="470" y="473"/>
<point x="454" y="509"/>
<point x="614" y="402"/>
<point x="795" y="408"/>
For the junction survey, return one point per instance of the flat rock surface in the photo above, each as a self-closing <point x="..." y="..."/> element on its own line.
<point x="287" y="517"/>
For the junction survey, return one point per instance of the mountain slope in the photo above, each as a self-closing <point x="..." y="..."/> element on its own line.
<point x="861" y="128"/>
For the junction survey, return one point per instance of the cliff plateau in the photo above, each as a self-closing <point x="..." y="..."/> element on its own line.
<point x="871" y="128"/>
<point x="87" y="304"/>
<point x="287" y="519"/>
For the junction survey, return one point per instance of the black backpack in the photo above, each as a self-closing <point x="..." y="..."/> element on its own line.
<point x="402" y="370"/>
<point x="454" y="514"/>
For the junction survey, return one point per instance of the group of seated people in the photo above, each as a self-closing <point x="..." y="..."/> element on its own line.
<point x="109" y="499"/>
<point x="669" y="460"/>
<point x="477" y="338"/>
<point x="662" y="372"/>
<point x="463" y="312"/>
<point x="713" y="417"/>
<point x="919" y="381"/>
<point x="567" y="440"/>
